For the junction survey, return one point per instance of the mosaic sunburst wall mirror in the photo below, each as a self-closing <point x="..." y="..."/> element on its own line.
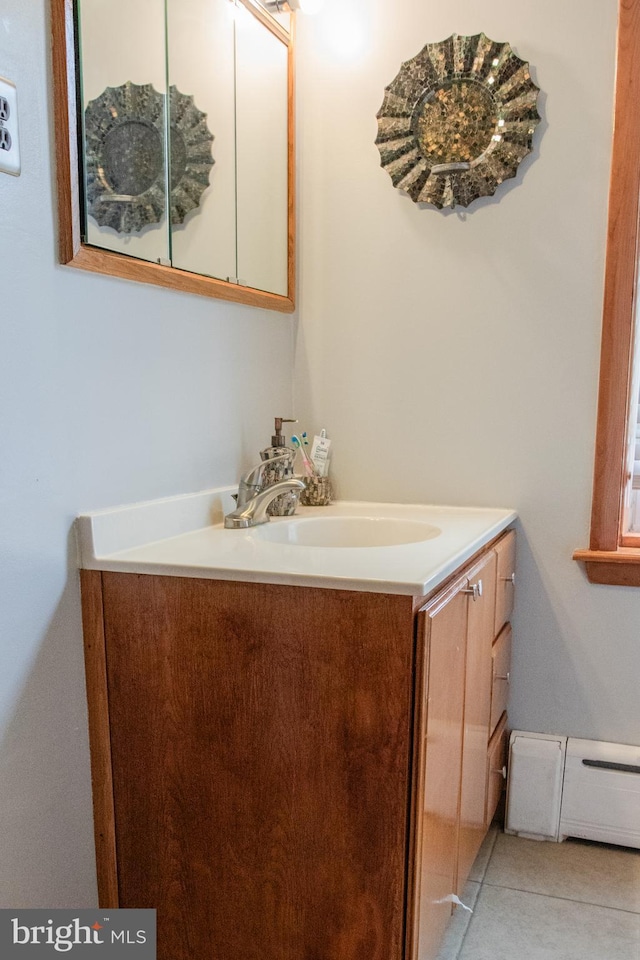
<point x="457" y="120"/>
<point x="125" y="156"/>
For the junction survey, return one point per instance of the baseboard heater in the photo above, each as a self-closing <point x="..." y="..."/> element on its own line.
<point x="561" y="787"/>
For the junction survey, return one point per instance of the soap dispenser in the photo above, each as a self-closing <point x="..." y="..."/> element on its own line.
<point x="284" y="505"/>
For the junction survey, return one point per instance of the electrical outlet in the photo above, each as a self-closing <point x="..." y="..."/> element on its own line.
<point x="9" y="138"/>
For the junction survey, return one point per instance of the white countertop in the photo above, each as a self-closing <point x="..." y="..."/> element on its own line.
<point x="184" y="537"/>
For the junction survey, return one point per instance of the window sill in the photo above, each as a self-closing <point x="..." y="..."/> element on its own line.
<point x="621" y="566"/>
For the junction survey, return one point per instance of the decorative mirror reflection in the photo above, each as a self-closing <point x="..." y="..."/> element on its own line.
<point x="184" y="117"/>
<point x="124" y="157"/>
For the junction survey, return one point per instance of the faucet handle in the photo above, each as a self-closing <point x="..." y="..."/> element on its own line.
<point x="254" y="511"/>
<point x="254" y="477"/>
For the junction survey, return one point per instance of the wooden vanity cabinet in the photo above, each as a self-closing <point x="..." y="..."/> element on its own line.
<point x="288" y="773"/>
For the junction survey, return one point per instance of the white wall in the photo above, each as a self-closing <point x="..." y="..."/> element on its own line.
<point x="110" y="392"/>
<point x="453" y="358"/>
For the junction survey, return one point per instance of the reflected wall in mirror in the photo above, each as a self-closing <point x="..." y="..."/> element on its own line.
<point x="197" y="194"/>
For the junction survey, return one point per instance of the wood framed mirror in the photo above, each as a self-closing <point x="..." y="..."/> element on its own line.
<point x="223" y="217"/>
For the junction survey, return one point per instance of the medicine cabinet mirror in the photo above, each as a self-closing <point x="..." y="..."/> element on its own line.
<point x="174" y="122"/>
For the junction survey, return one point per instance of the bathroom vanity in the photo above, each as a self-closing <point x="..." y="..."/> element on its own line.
<point x="296" y="753"/>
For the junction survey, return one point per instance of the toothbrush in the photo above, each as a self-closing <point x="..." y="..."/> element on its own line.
<point x="309" y="468"/>
<point x="307" y="464"/>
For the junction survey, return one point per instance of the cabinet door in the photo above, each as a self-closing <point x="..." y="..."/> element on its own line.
<point x="496" y="768"/>
<point x="477" y="708"/>
<point x="501" y="659"/>
<point x="261" y="765"/>
<point x="442" y="631"/>
<point x="506" y="551"/>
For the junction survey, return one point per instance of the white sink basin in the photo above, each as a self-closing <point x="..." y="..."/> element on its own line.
<point x="347" y="531"/>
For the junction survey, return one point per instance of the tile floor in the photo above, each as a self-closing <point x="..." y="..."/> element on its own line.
<point x="536" y="900"/>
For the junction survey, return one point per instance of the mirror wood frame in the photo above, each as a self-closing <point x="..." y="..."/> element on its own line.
<point x="75" y="253"/>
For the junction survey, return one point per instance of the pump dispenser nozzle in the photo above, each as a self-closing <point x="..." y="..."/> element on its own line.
<point x="277" y="440"/>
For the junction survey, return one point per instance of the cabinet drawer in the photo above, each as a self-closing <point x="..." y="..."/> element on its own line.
<point x="506" y="551"/>
<point x="501" y="666"/>
<point x="496" y="768"/>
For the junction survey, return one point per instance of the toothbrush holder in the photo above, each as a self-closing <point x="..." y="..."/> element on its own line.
<point x="318" y="492"/>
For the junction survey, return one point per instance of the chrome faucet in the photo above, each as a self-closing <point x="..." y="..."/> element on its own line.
<point x="254" y="498"/>
<point x="253" y="482"/>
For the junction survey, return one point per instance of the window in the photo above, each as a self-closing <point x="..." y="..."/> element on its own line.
<point x="614" y="549"/>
